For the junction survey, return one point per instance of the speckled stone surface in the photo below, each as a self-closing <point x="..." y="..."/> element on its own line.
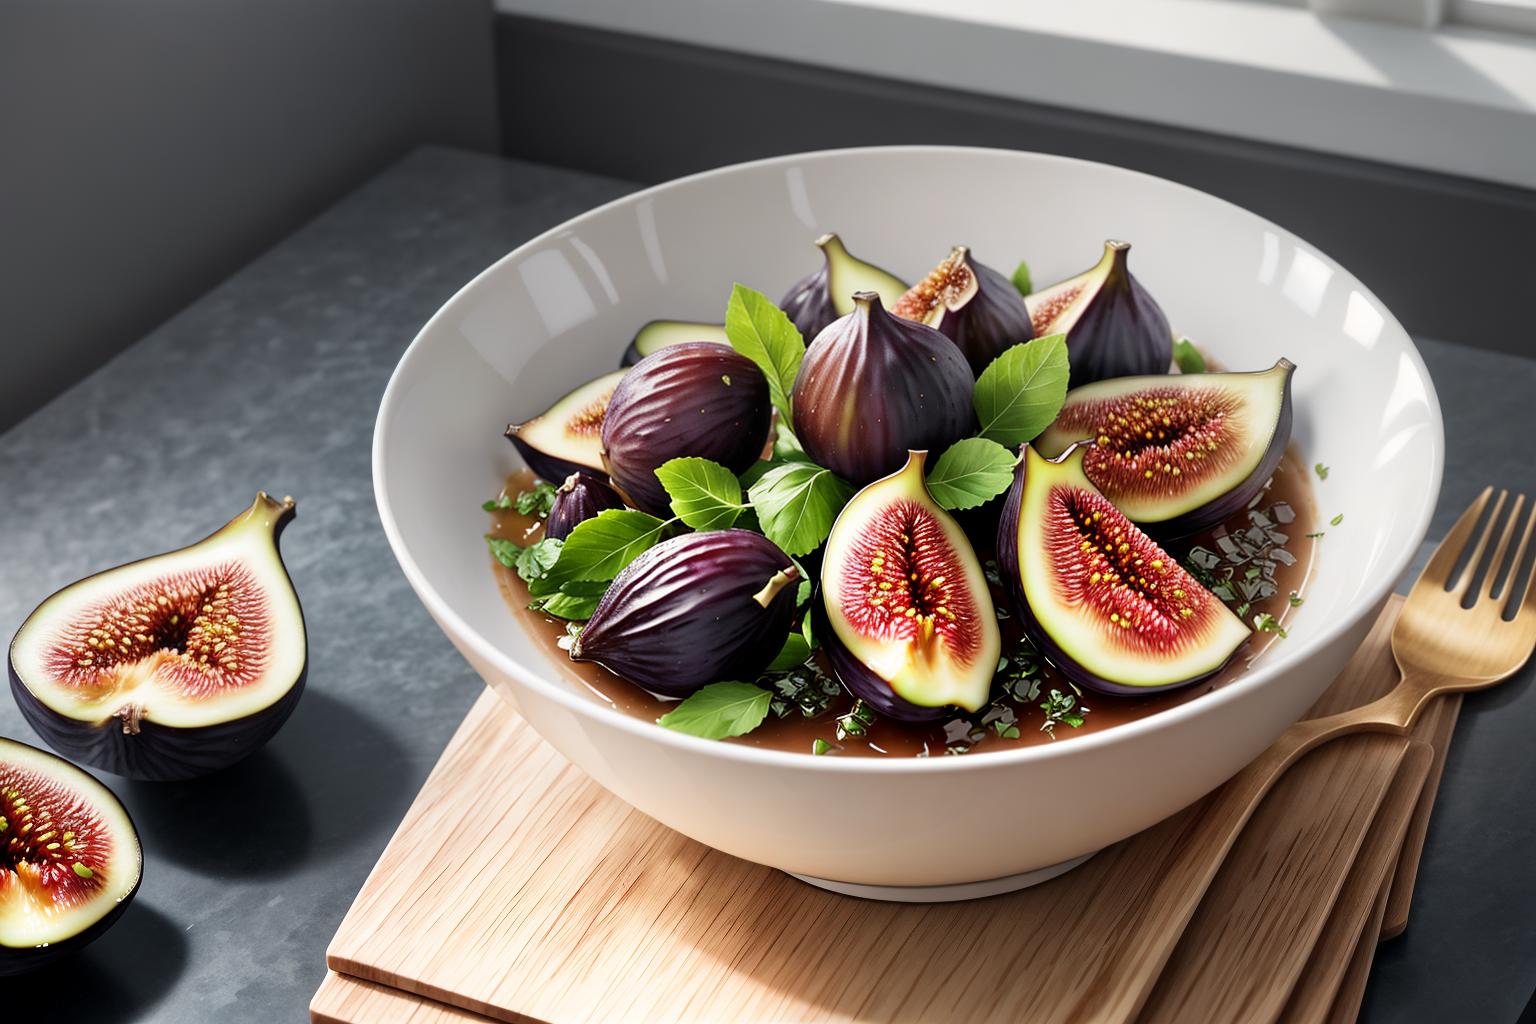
<point x="271" y="381"/>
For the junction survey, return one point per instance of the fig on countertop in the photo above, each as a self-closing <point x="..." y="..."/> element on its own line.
<point x="693" y="610"/>
<point x="873" y="387"/>
<point x="826" y="294"/>
<point x="1108" y="607"/>
<point x="1178" y="453"/>
<point x="582" y="497"/>
<point x="70" y="860"/>
<point x="658" y="334"/>
<point x="912" y="629"/>
<point x="971" y="304"/>
<point x="565" y="438"/>
<point x="173" y="666"/>
<point x="697" y="399"/>
<point x="1114" y="327"/>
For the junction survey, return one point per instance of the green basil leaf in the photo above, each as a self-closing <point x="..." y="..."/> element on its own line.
<point x="538" y="501"/>
<point x="796" y="504"/>
<point x="1021" y="391"/>
<point x="598" y="548"/>
<point x="720" y="710"/>
<point x="1188" y="357"/>
<point x="792" y="655"/>
<point x="504" y="551"/>
<point x="577" y="607"/>
<point x="807" y="631"/>
<point x="970" y="473"/>
<point x="786" y="446"/>
<point x="704" y="494"/>
<point x="1021" y="278"/>
<point x="759" y="330"/>
<point x="535" y="561"/>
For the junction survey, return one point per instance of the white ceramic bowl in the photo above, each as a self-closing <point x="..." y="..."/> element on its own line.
<point x="560" y="309"/>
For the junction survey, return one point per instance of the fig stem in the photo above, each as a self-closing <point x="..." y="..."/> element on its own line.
<point x="777" y="582"/>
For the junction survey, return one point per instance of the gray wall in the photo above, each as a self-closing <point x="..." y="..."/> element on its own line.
<point x="148" y="149"/>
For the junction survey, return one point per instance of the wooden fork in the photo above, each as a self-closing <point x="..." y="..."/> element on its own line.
<point x="1443" y="643"/>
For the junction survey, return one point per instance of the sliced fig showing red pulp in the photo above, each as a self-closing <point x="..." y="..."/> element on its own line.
<point x="69" y="858"/>
<point x="1099" y="598"/>
<point x="173" y="666"/>
<point x="1114" y="327"/>
<point x="912" y="627"/>
<point x="567" y="437"/>
<point x="1182" y="452"/>
<point x="971" y="304"/>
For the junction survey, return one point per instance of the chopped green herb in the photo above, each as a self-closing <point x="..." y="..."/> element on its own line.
<point x="496" y="504"/>
<point x="856" y="722"/>
<point x="1242" y="610"/>
<point x="820" y="746"/>
<point x="806" y="689"/>
<point x="1267" y="623"/>
<point x="1252" y="573"/>
<point x="1296" y="599"/>
<point x="720" y="710"/>
<point x="504" y="551"/>
<point x="1314" y="536"/>
<point x="1336" y="520"/>
<point x="1321" y="471"/>
<point x="538" y="501"/>
<point x="1021" y="279"/>
<point x="1061" y="708"/>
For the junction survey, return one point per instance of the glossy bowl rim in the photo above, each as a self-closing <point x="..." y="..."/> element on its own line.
<point x="1265" y="674"/>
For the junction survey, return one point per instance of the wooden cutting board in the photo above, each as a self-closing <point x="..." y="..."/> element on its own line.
<point x="537" y="896"/>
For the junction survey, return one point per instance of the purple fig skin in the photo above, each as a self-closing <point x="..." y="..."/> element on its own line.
<point x="808" y="303"/>
<point x="908" y="385"/>
<point x="1059" y="659"/>
<point x="580" y="498"/>
<point x="1227" y="505"/>
<point x="859" y="681"/>
<point x="684" y="614"/>
<point x="1123" y="332"/>
<point x="548" y="467"/>
<point x="993" y="320"/>
<point x="696" y="399"/>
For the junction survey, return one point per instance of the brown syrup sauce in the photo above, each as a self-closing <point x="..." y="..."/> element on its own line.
<point x="1289" y="495"/>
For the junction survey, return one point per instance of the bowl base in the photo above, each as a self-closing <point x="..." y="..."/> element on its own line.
<point x="946" y="893"/>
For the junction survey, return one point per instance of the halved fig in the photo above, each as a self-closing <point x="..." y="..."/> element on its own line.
<point x="173" y="666"/>
<point x="696" y="399"/>
<point x="1108" y="607"/>
<point x="693" y="610"/>
<point x="566" y="437"/>
<point x="912" y="628"/>
<point x="658" y="334"/>
<point x="817" y="299"/>
<point x="971" y="304"/>
<point x="873" y="387"/>
<point x="1114" y="327"/>
<point x="582" y="497"/>
<point x="70" y="860"/>
<point x="1178" y="452"/>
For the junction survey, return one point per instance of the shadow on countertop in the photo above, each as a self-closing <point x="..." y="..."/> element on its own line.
<point x="119" y="977"/>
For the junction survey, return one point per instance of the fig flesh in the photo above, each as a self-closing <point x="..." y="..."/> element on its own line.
<point x="566" y="438"/>
<point x="817" y="299"/>
<point x="658" y="334"/>
<point x="70" y="860"/>
<point x="173" y="666"/>
<point x="1178" y="453"/>
<point x="582" y="497"/>
<point x="695" y="399"/>
<point x="693" y="610"/>
<point x="971" y="304"/>
<point x="912" y="628"/>
<point x="1114" y="327"/>
<point x="1097" y="597"/>
<point x="873" y="387"/>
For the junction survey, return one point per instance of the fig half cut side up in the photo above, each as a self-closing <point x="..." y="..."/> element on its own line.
<point x="173" y="666"/>
<point x="567" y="437"/>
<point x="911" y="626"/>
<point x="70" y="860"/>
<point x="1098" y="598"/>
<point x="1178" y="453"/>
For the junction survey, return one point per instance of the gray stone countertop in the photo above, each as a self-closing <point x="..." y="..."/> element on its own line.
<point x="271" y="381"/>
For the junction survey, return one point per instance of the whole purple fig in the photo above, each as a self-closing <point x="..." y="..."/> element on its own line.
<point x="693" y="610"/>
<point x="873" y="387"/>
<point x="696" y="399"/>
<point x="580" y="498"/>
<point x="1114" y="327"/>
